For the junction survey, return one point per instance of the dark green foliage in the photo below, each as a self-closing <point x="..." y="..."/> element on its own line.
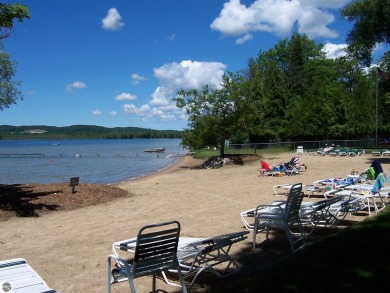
<point x="9" y="92"/>
<point x="217" y="114"/>
<point x="293" y="92"/>
<point x="82" y="132"/>
<point x="9" y="13"/>
<point x="371" y="22"/>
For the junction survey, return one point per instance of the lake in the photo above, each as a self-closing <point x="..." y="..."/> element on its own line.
<point x="92" y="160"/>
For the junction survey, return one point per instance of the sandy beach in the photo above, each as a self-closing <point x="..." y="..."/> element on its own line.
<point x="69" y="248"/>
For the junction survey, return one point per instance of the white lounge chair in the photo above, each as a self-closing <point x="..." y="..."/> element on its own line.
<point x="196" y="255"/>
<point x="309" y="190"/>
<point x="286" y="217"/>
<point x="375" y="194"/>
<point x="316" y="213"/>
<point x="155" y="251"/>
<point x="17" y="276"/>
<point x="330" y="211"/>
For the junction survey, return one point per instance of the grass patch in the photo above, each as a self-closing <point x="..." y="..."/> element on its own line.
<point x="208" y="153"/>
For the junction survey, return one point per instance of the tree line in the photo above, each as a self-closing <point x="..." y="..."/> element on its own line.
<point x="8" y="132"/>
<point x="294" y="92"/>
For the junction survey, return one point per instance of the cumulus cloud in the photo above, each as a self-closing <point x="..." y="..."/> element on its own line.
<point x="334" y="51"/>
<point x="136" y="79"/>
<point x="125" y="96"/>
<point x="173" y="77"/>
<point x="112" y="113"/>
<point x="190" y="74"/>
<point x="113" y="20"/>
<point x="244" y="39"/>
<point x="279" y="17"/>
<point x="76" y="85"/>
<point x="97" y="112"/>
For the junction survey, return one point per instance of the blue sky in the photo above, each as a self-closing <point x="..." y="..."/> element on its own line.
<point x="119" y="63"/>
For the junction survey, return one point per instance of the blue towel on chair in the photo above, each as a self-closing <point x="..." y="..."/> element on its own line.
<point x="379" y="183"/>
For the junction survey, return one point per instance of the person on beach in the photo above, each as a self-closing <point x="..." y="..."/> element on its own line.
<point x="264" y="167"/>
<point x="295" y="160"/>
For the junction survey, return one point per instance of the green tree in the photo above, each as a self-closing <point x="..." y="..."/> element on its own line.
<point x="299" y="84"/>
<point x="371" y="22"/>
<point x="305" y="95"/>
<point x="9" y="92"/>
<point x="383" y="97"/>
<point x="217" y="114"/>
<point x="8" y="13"/>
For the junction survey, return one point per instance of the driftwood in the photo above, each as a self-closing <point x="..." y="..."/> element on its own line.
<point x="214" y="163"/>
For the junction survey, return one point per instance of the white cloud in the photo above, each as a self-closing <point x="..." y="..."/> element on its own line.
<point x="190" y="74"/>
<point x="135" y="78"/>
<point x="125" y="96"/>
<point x="244" y="39"/>
<point x="334" y="51"/>
<point x="173" y="77"/>
<point x="130" y="108"/>
<point x="112" y="113"/>
<point x="97" y="112"/>
<point x="279" y="17"/>
<point x="160" y="96"/>
<point x="172" y="37"/>
<point x="112" y="21"/>
<point x="76" y="85"/>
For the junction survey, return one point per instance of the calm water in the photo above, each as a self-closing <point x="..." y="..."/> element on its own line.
<point x="93" y="161"/>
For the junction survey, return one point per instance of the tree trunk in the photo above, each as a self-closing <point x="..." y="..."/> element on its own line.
<point x="222" y="146"/>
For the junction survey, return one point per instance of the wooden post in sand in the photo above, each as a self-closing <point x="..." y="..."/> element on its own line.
<point x="74" y="181"/>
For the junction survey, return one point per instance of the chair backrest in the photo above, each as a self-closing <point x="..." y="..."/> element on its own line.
<point x="156" y="248"/>
<point x="293" y="203"/>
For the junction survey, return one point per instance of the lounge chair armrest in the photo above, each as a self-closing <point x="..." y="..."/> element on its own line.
<point x="123" y="244"/>
<point x="121" y="262"/>
<point x="277" y="202"/>
<point x="261" y="209"/>
<point x="221" y="244"/>
<point x="237" y="236"/>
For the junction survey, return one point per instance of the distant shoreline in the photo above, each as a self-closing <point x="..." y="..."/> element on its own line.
<point x="32" y="132"/>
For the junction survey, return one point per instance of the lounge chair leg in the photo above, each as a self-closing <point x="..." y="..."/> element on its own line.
<point x="154" y="282"/>
<point x="254" y="238"/>
<point x="182" y="282"/>
<point x="109" y="275"/>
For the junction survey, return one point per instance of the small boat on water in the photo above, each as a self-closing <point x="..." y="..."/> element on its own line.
<point x="156" y="150"/>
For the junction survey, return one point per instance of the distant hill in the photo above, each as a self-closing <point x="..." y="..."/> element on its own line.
<point x="82" y="132"/>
